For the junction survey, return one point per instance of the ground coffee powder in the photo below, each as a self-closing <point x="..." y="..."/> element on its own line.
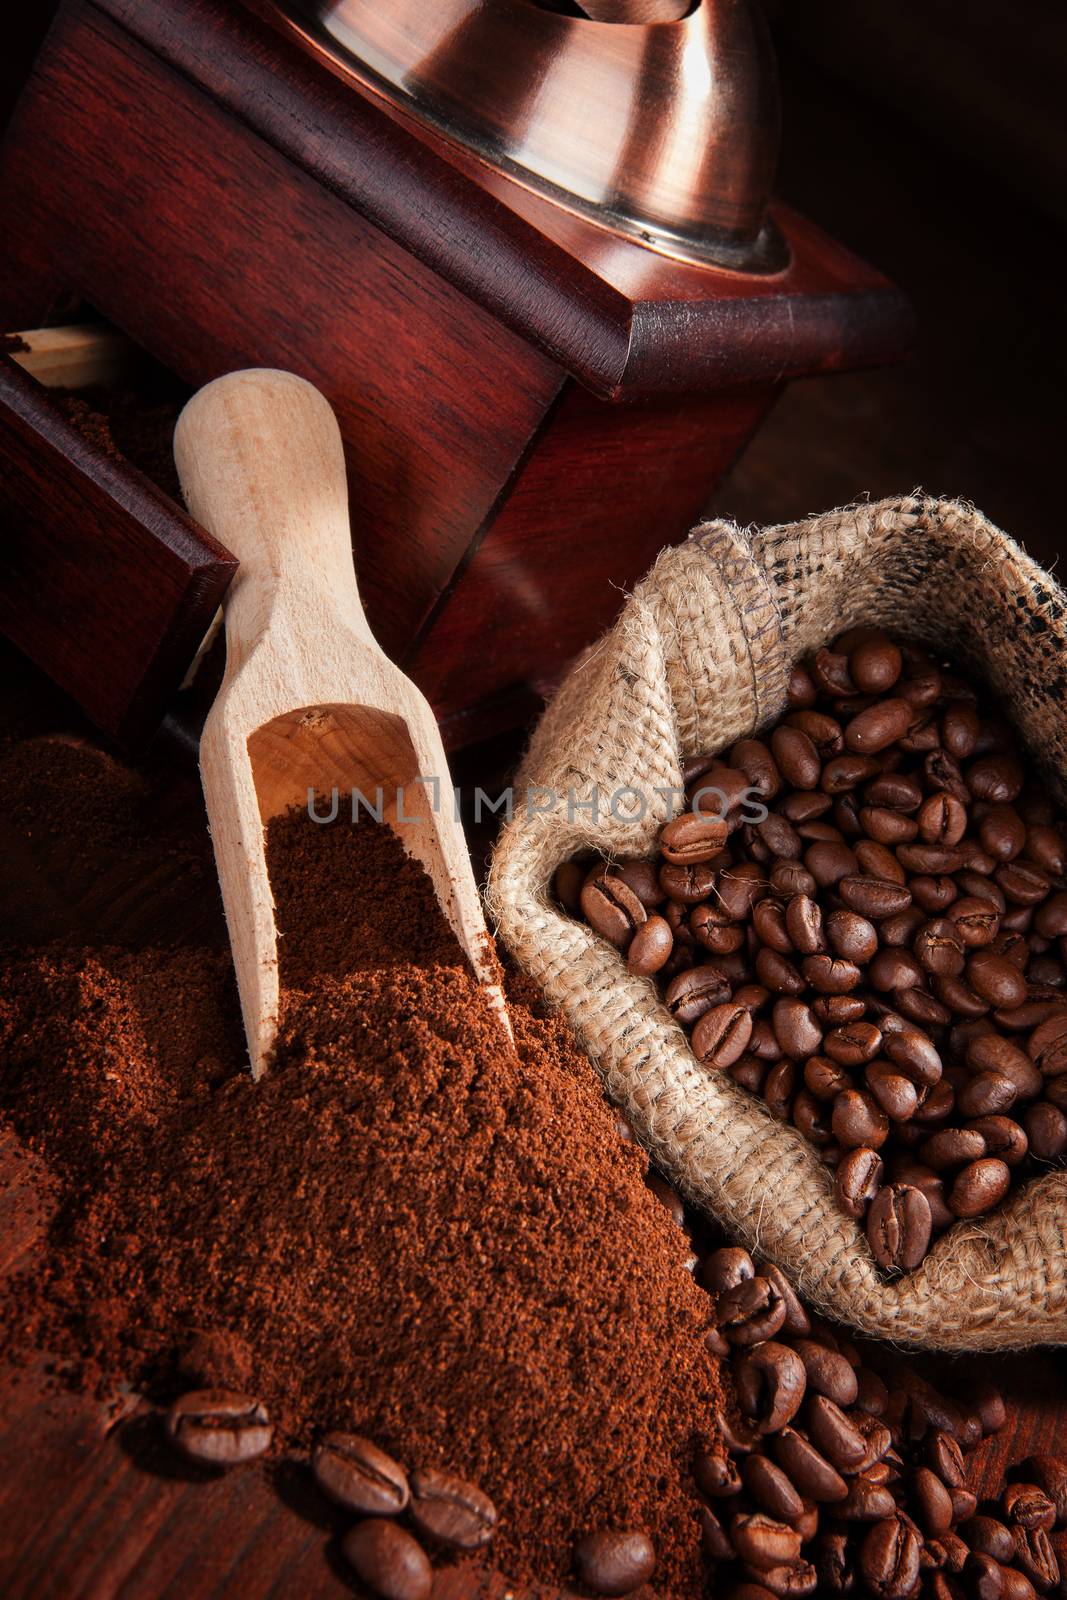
<point x="404" y="1229"/>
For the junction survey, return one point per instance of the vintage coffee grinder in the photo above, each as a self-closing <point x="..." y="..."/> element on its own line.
<point x="529" y="256"/>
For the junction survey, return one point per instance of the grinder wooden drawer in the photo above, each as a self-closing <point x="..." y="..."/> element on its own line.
<point x="105" y="582"/>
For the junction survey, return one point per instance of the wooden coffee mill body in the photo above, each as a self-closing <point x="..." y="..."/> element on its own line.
<point x="532" y="403"/>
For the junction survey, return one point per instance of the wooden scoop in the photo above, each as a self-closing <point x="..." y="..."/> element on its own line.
<point x="309" y="701"/>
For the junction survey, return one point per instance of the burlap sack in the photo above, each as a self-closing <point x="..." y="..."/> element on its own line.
<point x="698" y="659"/>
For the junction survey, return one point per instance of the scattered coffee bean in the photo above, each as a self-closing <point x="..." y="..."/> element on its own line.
<point x="218" y="1429"/>
<point x="614" y="1563"/>
<point x="386" y="1558"/>
<point x="359" y="1476"/>
<point x="451" y="1511"/>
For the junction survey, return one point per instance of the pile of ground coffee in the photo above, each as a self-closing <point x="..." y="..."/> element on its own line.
<point x="404" y="1229"/>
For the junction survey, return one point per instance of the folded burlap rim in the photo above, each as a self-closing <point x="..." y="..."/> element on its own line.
<point x="699" y="658"/>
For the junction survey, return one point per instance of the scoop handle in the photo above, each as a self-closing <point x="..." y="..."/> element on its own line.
<point x="262" y="467"/>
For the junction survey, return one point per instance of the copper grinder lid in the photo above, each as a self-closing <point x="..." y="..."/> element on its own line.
<point x="665" y="131"/>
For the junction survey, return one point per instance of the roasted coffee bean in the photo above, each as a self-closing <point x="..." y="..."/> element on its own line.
<point x="721" y="1035"/>
<point x="642" y="878"/>
<point x="715" y="1539"/>
<point x="914" y="1053"/>
<point x="803" y="922"/>
<point x="797" y="1320"/>
<point x="726" y="1268"/>
<point x="808" y="1470"/>
<point x="770" y="1382"/>
<point x="933" y="1503"/>
<point x="650" y="947"/>
<point x="567" y="886"/>
<point x="996" y="979"/>
<point x="614" y="1562"/>
<point x="858" y="1119"/>
<point x="716" y="1475"/>
<point x="688" y="886"/>
<point x="216" y="1428"/>
<point x="853" y="1044"/>
<point x="985" y="1577"/>
<point x="986" y="1404"/>
<point x="1028" y="1506"/>
<point x="796" y="757"/>
<point x="762" y="1541"/>
<point x="693" y="837"/>
<point x="987" y="1094"/>
<point x="866" y="1502"/>
<point x="858" y="1179"/>
<point x="838" y="1010"/>
<point x="881" y="725"/>
<point x="979" y="1187"/>
<point x="754" y="759"/>
<point x="830" y="1431"/>
<point x="942" y="820"/>
<point x="793" y="1582"/>
<point x="944" y="1456"/>
<point x="939" y="947"/>
<point x="611" y="908"/>
<point x="1035" y="1555"/>
<point x="354" y="1472"/>
<point x="889" y="1559"/>
<point x="1047" y="1046"/>
<point x="896" y="1094"/>
<point x="829" y="975"/>
<point x="751" y="1311"/>
<point x="952" y="1147"/>
<point x="875" y="664"/>
<point x="450" y="1510"/>
<point x="692" y="993"/>
<point x="989" y="1537"/>
<point x="872" y="1396"/>
<point x="388" y="1560"/>
<point x="898" y="1226"/>
<point x="878" y="862"/>
<point x="991" y="1052"/>
<point x="1049" y="1473"/>
<point x="873" y="898"/>
<point x="771" y="1489"/>
<point x="796" y="1028"/>
<point x="977" y="920"/>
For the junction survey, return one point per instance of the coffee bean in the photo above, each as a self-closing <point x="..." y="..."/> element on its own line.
<point x="875" y="664"/>
<point x="567" y="885"/>
<point x="614" y="1562"/>
<point x="695" y="992"/>
<point x="722" y="1035"/>
<point x="979" y="1187"/>
<point x="896" y="1094"/>
<point x="873" y="898"/>
<point x="796" y="1028"/>
<point x="808" y="1470"/>
<point x="996" y="979"/>
<point x="1035" y="1555"/>
<point x="354" y="1472"/>
<point x="989" y="1537"/>
<point x="611" y="909"/>
<point x="1049" y="1473"/>
<point x="932" y="1501"/>
<point x="831" y="1432"/>
<point x="751" y="1311"/>
<point x="796" y="757"/>
<point x="944" y="1456"/>
<point x="987" y="1094"/>
<point x="388" y="1560"/>
<point x="641" y="877"/>
<point x="859" y="1120"/>
<point x="1028" y="1506"/>
<point x="762" y="1541"/>
<point x="770" y="1382"/>
<point x="217" y="1428"/>
<point x="726" y="1268"/>
<point x="771" y="1489"/>
<point x="450" y="1510"/>
<point x="1047" y="1046"/>
<point x="952" y="1147"/>
<point x="858" y="1179"/>
<point x="689" y="885"/>
<point x="797" y="1320"/>
<point x="915" y="1055"/>
<point x="889" y="1559"/>
<point x="693" y="837"/>
<point x="898" y="1226"/>
<point x="650" y="947"/>
<point x="939" y="947"/>
<point x="879" y="726"/>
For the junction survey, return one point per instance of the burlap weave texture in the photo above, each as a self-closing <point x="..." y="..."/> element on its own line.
<point x="699" y="658"/>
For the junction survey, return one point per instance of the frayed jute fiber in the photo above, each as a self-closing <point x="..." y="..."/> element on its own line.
<point x="699" y="658"/>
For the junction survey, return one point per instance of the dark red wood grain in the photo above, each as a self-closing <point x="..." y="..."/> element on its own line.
<point x="77" y="526"/>
<point x="521" y="393"/>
